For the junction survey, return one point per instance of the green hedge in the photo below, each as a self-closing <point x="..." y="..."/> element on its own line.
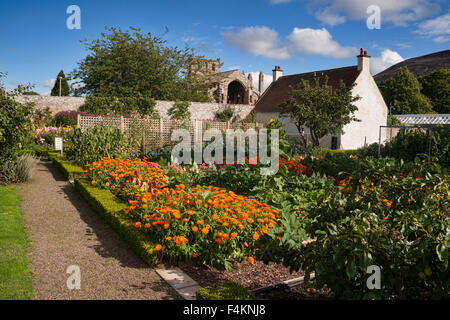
<point x="67" y="167"/>
<point x="228" y="290"/>
<point x="111" y="210"/>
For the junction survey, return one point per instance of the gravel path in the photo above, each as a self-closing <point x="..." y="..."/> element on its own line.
<point x="65" y="231"/>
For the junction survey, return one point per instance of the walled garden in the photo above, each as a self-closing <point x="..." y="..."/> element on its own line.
<point x="326" y="215"/>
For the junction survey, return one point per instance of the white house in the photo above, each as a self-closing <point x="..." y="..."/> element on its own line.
<point x="372" y="110"/>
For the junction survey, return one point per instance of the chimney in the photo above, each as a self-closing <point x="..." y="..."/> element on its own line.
<point x="363" y="61"/>
<point x="261" y="82"/>
<point x="277" y="73"/>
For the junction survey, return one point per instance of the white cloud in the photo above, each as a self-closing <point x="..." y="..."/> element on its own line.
<point x="398" y="12"/>
<point x="263" y="41"/>
<point x="438" y="28"/>
<point x="328" y="16"/>
<point x="48" y="83"/>
<point x="255" y="76"/>
<point x="259" y="40"/>
<point x="309" y="41"/>
<point x="385" y="60"/>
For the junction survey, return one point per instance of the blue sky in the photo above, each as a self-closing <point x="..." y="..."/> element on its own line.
<point x="256" y="35"/>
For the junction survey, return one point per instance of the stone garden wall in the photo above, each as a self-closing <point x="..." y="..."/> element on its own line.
<point x="199" y="111"/>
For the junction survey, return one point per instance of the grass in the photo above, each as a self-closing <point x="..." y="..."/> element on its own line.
<point x="15" y="275"/>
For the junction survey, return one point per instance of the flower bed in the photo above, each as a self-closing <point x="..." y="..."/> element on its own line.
<point x="205" y="224"/>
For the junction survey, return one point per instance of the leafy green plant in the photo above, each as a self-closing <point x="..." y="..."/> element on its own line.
<point x="97" y="142"/>
<point x="21" y="169"/>
<point x="225" y="115"/>
<point x="407" y="144"/>
<point x="393" y="215"/>
<point x="180" y="111"/>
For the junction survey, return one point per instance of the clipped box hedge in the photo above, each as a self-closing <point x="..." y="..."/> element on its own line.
<point x="67" y="167"/>
<point x="109" y="207"/>
<point x="228" y="290"/>
<point x="111" y="210"/>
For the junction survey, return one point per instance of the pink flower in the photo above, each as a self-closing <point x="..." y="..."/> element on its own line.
<point x="176" y="168"/>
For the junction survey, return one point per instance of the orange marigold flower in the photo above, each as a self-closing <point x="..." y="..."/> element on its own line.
<point x="158" y="247"/>
<point x="194" y="228"/>
<point x="246" y="244"/>
<point x="218" y="240"/>
<point x="147" y="225"/>
<point x="205" y="230"/>
<point x="255" y="236"/>
<point x="233" y="235"/>
<point x="137" y="224"/>
<point x="251" y="259"/>
<point x="166" y="226"/>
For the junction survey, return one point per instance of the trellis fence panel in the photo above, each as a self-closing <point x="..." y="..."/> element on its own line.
<point x="156" y="133"/>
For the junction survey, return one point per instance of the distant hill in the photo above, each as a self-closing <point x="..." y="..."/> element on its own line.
<point x="418" y="66"/>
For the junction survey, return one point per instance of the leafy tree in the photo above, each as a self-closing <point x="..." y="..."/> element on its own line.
<point x="319" y="108"/>
<point x="436" y="86"/>
<point x="130" y="63"/>
<point x="403" y="91"/>
<point x="64" y="85"/>
<point x="180" y="111"/>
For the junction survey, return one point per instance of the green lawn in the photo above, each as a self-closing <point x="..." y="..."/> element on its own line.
<point x="15" y="277"/>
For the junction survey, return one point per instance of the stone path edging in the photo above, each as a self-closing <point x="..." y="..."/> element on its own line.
<point x="185" y="286"/>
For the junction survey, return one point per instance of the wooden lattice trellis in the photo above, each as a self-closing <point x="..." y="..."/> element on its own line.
<point x="156" y="133"/>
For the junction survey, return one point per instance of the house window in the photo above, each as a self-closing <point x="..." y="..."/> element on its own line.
<point x="334" y="143"/>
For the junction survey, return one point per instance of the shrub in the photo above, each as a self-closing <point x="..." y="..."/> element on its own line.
<point x="20" y="169"/>
<point x="409" y="143"/>
<point x="228" y="290"/>
<point x="15" y="127"/>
